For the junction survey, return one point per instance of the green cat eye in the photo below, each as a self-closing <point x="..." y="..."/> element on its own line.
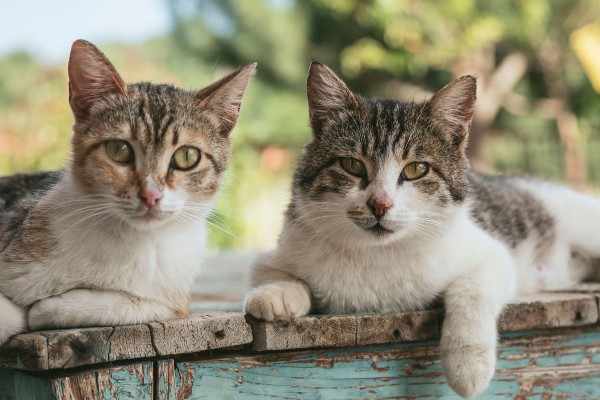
<point x="414" y="170"/>
<point x="185" y="158"/>
<point x="353" y="166"/>
<point x="119" y="151"/>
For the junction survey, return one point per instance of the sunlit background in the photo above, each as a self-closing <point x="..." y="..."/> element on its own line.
<point x="537" y="63"/>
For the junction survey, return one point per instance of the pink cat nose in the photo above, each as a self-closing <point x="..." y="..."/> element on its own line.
<point x="379" y="206"/>
<point x="150" y="196"/>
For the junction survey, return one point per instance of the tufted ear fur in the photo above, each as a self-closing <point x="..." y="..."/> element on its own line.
<point x="91" y="77"/>
<point x="327" y="95"/>
<point x="224" y="97"/>
<point x="452" y="107"/>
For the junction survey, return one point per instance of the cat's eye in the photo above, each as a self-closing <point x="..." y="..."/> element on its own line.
<point x="185" y="157"/>
<point x="119" y="151"/>
<point x="353" y="166"/>
<point x="414" y="170"/>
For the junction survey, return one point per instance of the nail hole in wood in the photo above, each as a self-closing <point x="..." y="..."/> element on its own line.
<point x="219" y="334"/>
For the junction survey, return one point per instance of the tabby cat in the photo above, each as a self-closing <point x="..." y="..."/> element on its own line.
<point x="386" y="215"/>
<point x="118" y="236"/>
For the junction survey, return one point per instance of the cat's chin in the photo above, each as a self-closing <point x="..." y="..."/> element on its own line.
<point x="150" y="221"/>
<point x="380" y="231"/>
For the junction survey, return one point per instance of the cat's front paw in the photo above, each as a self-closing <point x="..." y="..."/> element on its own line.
<point x="43" y="313"/>
<point x="469" y="369"/>
<point x="278" y="301"/>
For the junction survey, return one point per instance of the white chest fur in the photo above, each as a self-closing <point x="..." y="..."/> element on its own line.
<point x="157" y="264"/>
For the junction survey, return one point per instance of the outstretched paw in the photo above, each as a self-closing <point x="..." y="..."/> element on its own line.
<point x="469" y="369"/>
<point x="278" y="301"/>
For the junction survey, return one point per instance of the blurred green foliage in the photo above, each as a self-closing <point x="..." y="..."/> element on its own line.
<point x="399" y="48"/>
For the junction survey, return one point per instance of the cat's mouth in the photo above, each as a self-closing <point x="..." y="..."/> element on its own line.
<point x="150" y="215"/>
<point x="379" y="230"/>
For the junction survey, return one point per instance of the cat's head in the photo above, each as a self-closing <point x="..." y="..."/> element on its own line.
<point x="149" y="153"/>
<point x="379" y="170"/>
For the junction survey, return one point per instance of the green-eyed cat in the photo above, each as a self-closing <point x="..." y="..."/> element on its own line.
<point x="118" y="236"/>
<point x="386" y="215"/>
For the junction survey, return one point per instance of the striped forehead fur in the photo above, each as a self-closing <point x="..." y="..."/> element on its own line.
<point x="375" y="130"/>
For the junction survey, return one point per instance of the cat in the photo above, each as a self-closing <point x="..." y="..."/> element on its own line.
<point x="386" y="216"/>
<point x="118" y="236"/>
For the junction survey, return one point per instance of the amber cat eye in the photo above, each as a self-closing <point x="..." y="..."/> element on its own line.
<point x="414" y="170"/>
<point x="353" y="166"/>
<point x="185" y="158"/>
<point x="119" y="151"/>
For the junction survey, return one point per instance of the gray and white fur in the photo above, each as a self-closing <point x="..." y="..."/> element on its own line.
<point x="386" y="215"/>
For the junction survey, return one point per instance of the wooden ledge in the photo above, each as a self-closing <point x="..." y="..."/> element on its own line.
<point x="46" y="350"/>
<point x="540" y="311"/>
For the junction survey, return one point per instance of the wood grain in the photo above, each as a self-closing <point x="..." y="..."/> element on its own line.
<point x="88" y="346"/>
<point x="549" y="310"/>
<point x="200" y="332"/>
<point x="344" y="330"/>
<point x="164" y="385"/>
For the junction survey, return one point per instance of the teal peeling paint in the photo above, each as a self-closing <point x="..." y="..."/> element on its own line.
<point x="364" y="372"/>
<point x="127" y="383"/>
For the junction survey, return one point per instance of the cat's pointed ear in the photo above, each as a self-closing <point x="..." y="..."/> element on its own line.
<point x="224" y="97"/>
<point x="91" y="77"/>
<point x="452" y="107"/>
<point x="327" y="94"/>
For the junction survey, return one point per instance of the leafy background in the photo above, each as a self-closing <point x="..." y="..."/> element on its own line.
<point x="537" y="63"/>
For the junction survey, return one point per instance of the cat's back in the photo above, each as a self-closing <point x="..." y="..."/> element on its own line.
<point x="19" y="195"/>
<point x="508" y="208"/>
<point x="15" y="188"/>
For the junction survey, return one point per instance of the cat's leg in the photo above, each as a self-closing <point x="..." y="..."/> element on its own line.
<point x="89" y="307"/>
<point x="469" y="332"/>
<point x="12" y="319"/>
<point x="277" y="295"/>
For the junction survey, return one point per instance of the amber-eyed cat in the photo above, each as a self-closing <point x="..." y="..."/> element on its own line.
<point x="118" y="236"/>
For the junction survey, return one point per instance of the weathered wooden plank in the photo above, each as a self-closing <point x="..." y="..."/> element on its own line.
<point x="130" y="342"/>
<point x="305" y="332"/>
<point x="88" y="346"/>
<point x="200" y="332"/>
<point x="165" y="384"/>
<point x="398" y="327"/>
<point x="539" y="311"/>
<point x="345" y="330"/>
<point x="25" y="351"/>
<point x="549" y="310"/>
<point x="75" y="347"/>
<point x="533" y="365"/>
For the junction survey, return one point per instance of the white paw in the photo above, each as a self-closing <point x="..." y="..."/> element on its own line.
<point x="42" y="314"/>
<point x="469" y="369"/>
<point x="278" y="301"/>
